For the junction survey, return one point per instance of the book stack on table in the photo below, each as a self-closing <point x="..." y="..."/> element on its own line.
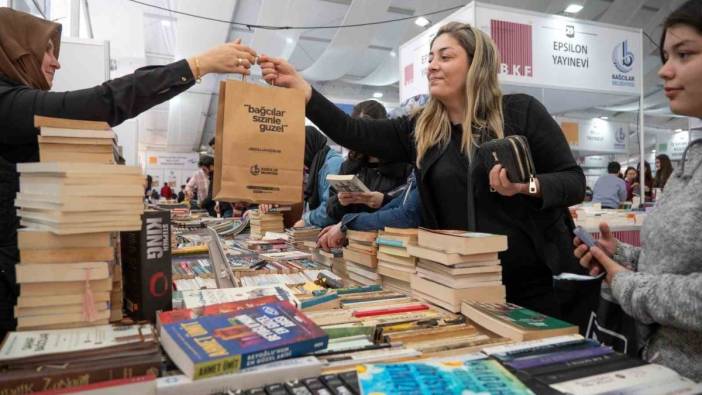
<point x="395" y="265"/>
<point x="261" y="223"/>
<point x="456" y="265"/>
<point x="361" y="257"/>
<point x="303" y="238"/>
<point x="71" y="203"/>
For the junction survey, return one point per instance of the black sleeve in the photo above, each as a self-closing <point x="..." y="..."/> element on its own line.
<point x="561" y="180"/>
<point x="113" y="102"/>
<point x="388" y="139"/>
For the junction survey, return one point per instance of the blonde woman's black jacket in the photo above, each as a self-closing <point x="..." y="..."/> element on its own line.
<point x="535" y="227"/>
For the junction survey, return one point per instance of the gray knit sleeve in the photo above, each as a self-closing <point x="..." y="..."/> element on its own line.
<point x="627" y="255"/>
<point x="667" y="299"/>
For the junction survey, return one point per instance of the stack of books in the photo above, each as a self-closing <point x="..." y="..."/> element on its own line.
<point x="71" y="203"/>
<point x="395" y="265"/>
<point x="455" y="265"/>
<point x="303" y="238"/>
<point x="65" y="281"/>
<point x="68" y="140"/>
<point x="67" y="358"/>
<point x="261" y="223"/>
<point x="361" y="257"/>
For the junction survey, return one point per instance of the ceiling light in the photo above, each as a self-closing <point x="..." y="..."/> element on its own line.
<point x="393" y="54"/>
<point x="165" y="23"/>
<point x="378" y="95"/>
<point x="678" y="130"/>
<point x="573" y="8"/>
<point x="289" y="40"/>
<point x="605" y="118"/>
<point x="421" y="21"/>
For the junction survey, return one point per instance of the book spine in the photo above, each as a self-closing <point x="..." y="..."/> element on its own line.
<point x="292" y="350"/>
<point x="53" y="380"/>
<point x="574" y="364"/>
<point x="533" y="345"/>
<point x="558" y="357"/>
<point x="390" y="243"/>
<point x="549" y="349"/>
<point x="574" y="374"/>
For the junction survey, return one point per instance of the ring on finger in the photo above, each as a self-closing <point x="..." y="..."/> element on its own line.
<point x="239" y="61"/>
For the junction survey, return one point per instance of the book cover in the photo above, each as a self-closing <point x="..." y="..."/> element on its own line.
<point x="346" y="183"/>
<point x="516" y="322"/>
<point x="177" y="315"/>
<point x="147" y="270"/>
<point x="446" y="377"/>
<point x="206" y="297"/>
<point x="226" y="343"/>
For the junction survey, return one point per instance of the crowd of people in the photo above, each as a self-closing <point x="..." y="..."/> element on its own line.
<point x="423" y="168"/>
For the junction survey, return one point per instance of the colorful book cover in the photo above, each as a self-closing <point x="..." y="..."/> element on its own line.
<point x="445" y="378"/>
<point x="225" y="343"/>
<point x="519" y="317"/>
<point x="169" y="317"/>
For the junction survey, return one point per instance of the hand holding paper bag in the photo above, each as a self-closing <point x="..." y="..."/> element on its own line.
<point x="278" y="72"/>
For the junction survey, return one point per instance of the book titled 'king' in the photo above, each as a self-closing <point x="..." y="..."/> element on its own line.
<point x="226" y="343"/>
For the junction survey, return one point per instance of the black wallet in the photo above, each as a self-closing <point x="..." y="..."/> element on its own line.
<point x="513" y="153"/>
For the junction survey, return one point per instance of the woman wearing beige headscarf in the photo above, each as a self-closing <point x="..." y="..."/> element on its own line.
<point x="29" y="50"/>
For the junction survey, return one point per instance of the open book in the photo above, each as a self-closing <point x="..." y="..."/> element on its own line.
<point x="347" y="183"/>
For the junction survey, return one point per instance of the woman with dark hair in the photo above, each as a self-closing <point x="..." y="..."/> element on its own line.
<point x="29" y="51"/>
<point x="648" y="182"/>
<point x="386" y="180"/>
<point x="664" y="168"/>
<point x="467" y="108"/>
<point x="320" y="161"/>
<point x="660" y="283"/>
<point x="630" y="177"/>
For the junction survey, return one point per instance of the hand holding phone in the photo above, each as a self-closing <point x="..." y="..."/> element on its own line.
<point x="584" y="236"/>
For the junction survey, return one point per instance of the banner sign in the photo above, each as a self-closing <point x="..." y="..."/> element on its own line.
<point x="540" y="50"/>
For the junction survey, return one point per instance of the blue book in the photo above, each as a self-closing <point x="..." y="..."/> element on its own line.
<point x="445" y="378"/>
<point x="226" y="343"/>
<point x="390" y="242"/>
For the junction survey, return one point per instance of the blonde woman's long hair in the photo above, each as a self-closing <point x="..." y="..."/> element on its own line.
<point x="482" y="93"/>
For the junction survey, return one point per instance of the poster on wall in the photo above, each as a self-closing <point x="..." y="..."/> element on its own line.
<point x="596" y="135"/>
<point x="539" y="50"/>
<point x="673" y="144"/>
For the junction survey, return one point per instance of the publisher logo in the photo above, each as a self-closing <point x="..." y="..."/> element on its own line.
<point x="255" y="170"/>
<point x="513" y="40"/>
<point x="570" y="31"/>
<point x="622" y="57"/>
<point x="620" y="135"/>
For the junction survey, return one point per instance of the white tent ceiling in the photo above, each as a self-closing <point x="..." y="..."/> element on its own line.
<point x="346" y="64"/>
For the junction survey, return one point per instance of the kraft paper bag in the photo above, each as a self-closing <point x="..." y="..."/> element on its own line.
<point x="260" y="143"/>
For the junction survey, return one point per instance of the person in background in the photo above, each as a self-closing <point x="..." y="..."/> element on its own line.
<point x="664" y="168"/>
<point x="166" y="191"/>
<point x="199" y="185"/>
<point x="147" y="187"/>
<point x="404" y="211"/>
<point x="320" y="160"/>
<point x="385" y="179"/>
<point x="660" y="283"/>
<point x="588" y="194"/>
<point x="181" y="194"/>
<point x="648" y="182"/>
<point x="630" y="177"/>
<point x="610" y="190"/>
<point x="467" y="108"/>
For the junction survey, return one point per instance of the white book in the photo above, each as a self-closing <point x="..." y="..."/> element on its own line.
<point x="347" y="183"/>
<point x="206" y="297"/>
<point x="617" y="380"/>
<point x="18" y="345"/>
<point x="257" y="376"/>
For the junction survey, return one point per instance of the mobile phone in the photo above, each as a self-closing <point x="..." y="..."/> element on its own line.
<point x="584" y="236"/>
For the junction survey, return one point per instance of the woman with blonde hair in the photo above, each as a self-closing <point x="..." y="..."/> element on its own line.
<point x="467" y="108"/>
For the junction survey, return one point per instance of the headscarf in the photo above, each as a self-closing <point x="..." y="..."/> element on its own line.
<point x="23" y="41"/>
<point x="316" y="150"/>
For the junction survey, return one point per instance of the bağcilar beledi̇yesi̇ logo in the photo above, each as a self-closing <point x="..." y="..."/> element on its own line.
<point x="256" y="170"/>
<point x="623" y="60"/>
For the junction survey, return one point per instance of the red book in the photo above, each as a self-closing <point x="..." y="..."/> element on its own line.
<point x="169" y="317"/>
